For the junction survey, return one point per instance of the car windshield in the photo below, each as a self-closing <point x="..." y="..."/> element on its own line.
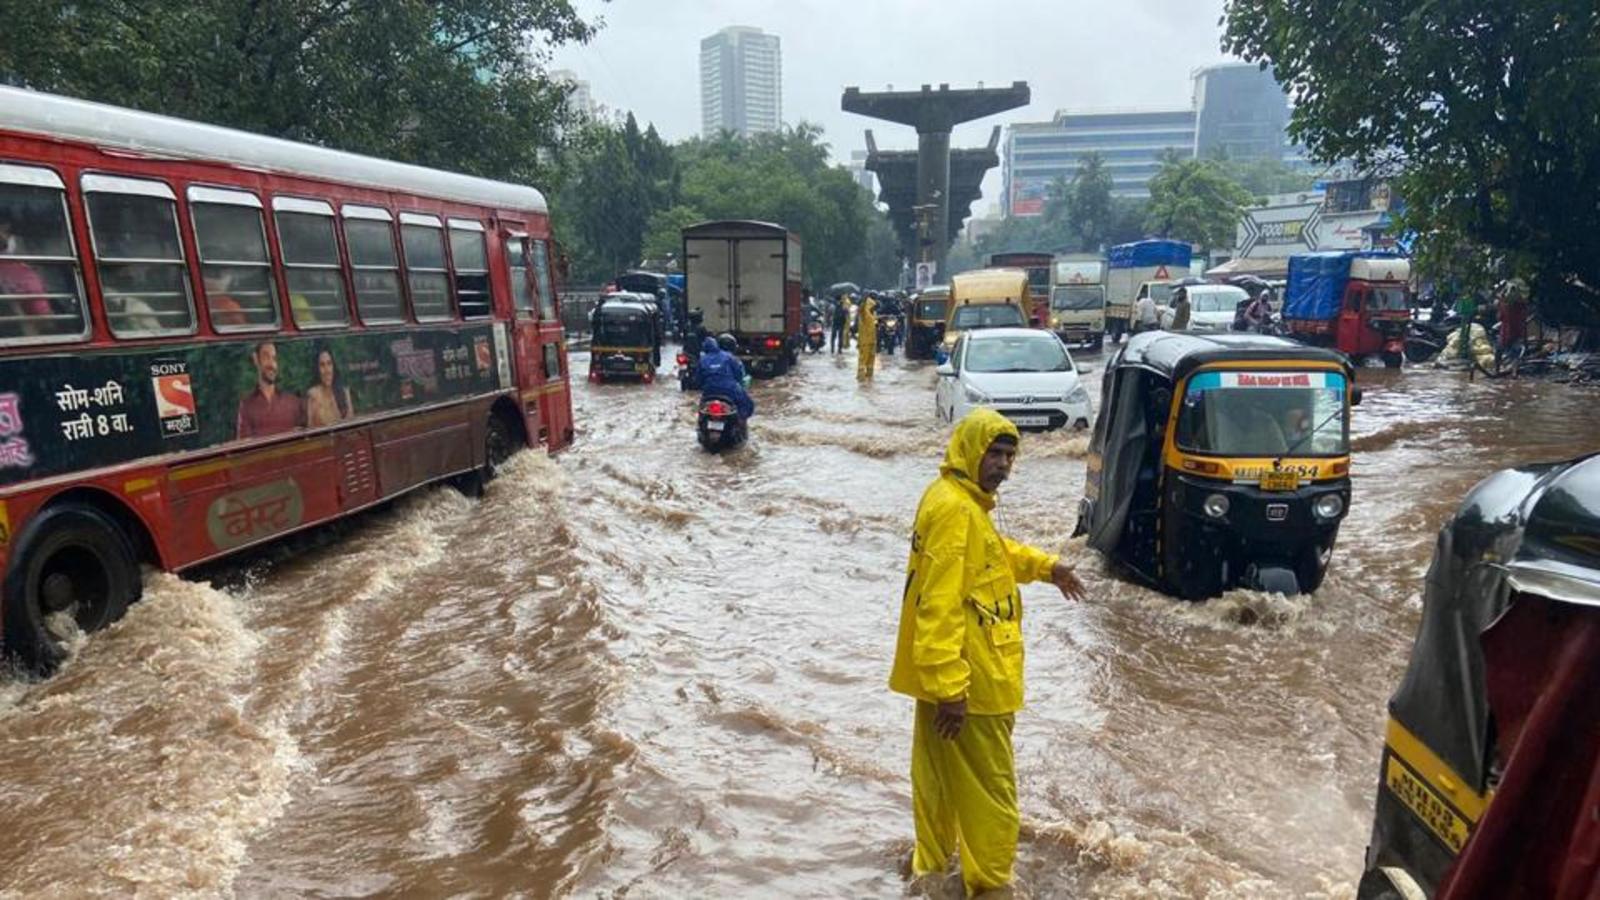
<point x="1017" y="353"/>
<point x="1160" y="293"/>
<point x="1085" y="296"/>
<point x="988" y="315"/>
<point x="930" y="309"/>
<point x="1217" y="301"/>
<point x="1265" y="413"/>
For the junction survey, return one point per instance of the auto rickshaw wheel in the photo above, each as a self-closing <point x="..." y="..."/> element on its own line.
<point x="1392" y="360"/>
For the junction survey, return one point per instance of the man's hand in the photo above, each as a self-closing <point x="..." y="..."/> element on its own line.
<point x="950" y="717"/>
<point x="1067" y="582"/>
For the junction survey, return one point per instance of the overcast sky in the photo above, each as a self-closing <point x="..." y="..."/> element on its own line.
<point x="1074" y="54"/>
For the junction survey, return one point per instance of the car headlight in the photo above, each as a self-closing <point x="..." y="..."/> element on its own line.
<point x="974" y="395"/>
<point x="1328" y="506"/>
<point x="1077" y="394"/>
<point x="1216" y="506"/>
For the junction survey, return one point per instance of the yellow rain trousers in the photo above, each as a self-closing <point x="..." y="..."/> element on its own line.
<point x="866" y="341"/>
<point x="961" y="636"/>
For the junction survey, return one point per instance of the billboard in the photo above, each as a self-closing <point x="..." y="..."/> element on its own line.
<point x="1027" y="196"/>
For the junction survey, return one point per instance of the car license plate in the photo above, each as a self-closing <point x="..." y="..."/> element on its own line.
<point x="715" y="425"/>
<point x="1280" y="481"/>
<point x="1030" y="421"/>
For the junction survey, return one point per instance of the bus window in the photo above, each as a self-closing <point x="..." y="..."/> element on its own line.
<point x="423" y="239"/>
<point x="369" y="236"/>
<point x="517" y="273"/>
<point x="235" y="270"/>
<point x="541" y="271"/>
<point x="311" y="262"/>
<point x="472" y="268"/>
<point x="41" y="293"/>
<point x="134" y="225"/>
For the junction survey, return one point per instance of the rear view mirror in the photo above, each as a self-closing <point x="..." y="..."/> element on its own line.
<point x="946" y="370"/>
<point x="1355" y="396"/>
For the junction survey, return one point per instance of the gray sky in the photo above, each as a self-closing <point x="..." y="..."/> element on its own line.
<point x="1074" y="54"/>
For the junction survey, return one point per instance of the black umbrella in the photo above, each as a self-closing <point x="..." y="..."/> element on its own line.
<point x="844" y="287"/>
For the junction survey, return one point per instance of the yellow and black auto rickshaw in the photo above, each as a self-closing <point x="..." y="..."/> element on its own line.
<point x="1220" y="461"/>
<point x="1489" y="782"/>
<point x="626" y="338"/>
<point x="926" y="326"/>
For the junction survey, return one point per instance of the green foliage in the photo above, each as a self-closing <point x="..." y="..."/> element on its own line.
<point x="1487" y="112"/>
<point x="665" y="235"/>
<point x="613" y="182"/>
<point x="450" y="85"/>
<point x="1089" y="207"/>
<point x="1194" y="200"/>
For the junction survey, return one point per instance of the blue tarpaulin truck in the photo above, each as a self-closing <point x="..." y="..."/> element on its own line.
<point x="1354" y="301"/>
<point x="1140" y="269"/>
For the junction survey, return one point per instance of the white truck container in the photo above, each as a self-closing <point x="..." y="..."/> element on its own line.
<point x="744" y="277"/>
<point x="1078" y="299"/>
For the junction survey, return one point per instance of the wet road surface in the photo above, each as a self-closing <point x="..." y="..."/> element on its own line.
<point x="640" y="670"/>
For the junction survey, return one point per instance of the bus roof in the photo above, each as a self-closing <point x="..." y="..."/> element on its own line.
<point x="152" y="135"/>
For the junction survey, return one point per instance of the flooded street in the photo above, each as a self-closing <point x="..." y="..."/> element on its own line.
<point x="640" y="670"/>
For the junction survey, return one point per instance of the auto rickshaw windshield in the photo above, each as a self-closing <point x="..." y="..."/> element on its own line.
<point x="1262" y="413"/>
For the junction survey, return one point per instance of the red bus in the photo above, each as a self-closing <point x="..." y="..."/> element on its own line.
<point x="210" y="339"/>
<point x="1037" y="265"/>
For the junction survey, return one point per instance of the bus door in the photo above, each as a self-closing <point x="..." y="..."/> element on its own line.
<point x="549" y="370"/>
<point x="527" y="372"/>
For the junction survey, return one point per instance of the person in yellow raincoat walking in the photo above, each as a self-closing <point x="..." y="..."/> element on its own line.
<point x="959" y="654"/>
<point x="866" y="339"/>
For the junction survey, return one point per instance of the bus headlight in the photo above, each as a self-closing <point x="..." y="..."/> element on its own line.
<point x="1328" y="506"/>
<point x="1216" y="506"/>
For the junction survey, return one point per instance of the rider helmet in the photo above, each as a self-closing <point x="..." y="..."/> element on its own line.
<point x="727" y="342"/>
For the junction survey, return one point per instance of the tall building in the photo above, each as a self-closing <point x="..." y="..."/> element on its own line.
<point x="1131" y="144"/>
<point x="581" y="99"/>
<point x="741" y="82"/>
<point x="1240" y="112"/>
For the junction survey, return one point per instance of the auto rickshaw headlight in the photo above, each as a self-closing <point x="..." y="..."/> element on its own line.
<point x="1216" y="506"/>
<point x="1328" y="506"/>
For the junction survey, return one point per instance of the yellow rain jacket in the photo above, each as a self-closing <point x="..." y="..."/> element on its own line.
<point x="867" y="338"/>
<point x="961" y="616"/>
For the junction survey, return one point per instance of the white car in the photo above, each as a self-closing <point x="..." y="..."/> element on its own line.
<point x="1025" y="374"/>
<point x="1211" y="307"/>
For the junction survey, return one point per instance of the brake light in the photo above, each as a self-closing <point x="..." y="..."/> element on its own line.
<point x="594" y="375"/>
<point x="683" y="359"/>
<point x="716" y="408"/>
<point x="773" y="343"/>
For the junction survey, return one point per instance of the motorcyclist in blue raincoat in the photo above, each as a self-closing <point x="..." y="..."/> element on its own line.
<point x="722" y="375"/>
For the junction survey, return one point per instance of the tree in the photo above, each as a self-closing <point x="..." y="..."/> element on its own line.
<point x="451" y="85"/>
<point x="665" y="235"/>
<point x="1192" y="200"/>
<point x="1485" y="113"/>
<point x="1264" y="177"/>
<point x="1089" y="206"/>
<point x="602" y="207"/>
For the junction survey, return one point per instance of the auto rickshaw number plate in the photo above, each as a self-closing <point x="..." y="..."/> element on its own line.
<point x="1280" y="481"/>
<point x="1426" y="804"/>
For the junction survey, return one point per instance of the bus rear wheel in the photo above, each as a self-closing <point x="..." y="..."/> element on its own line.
<point x="74" y="568"/>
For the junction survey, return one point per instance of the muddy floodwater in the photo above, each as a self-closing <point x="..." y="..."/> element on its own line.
<point x="639" y="670"/>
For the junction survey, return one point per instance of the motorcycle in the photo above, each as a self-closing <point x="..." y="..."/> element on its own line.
<point x="888" y="333"/>
<point x="720" y="427"/>
<point x="1426" y="340"/>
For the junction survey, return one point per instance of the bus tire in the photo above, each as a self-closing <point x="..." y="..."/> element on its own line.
<point x="71" y="558"/>
<point x="499" y="443"/>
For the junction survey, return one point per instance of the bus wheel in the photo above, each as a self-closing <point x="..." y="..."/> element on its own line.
<point x="73" y="561"/>
<point x="497" y="446"/>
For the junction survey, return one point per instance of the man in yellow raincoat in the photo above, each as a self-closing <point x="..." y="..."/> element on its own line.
<point x="959" y="654"/>
<point x="866" y="339"/>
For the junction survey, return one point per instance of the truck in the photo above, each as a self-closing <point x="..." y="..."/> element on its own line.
<point x="1078" y="299"/>
<point x="1355" y="301"/>
<point x="1138" y="270"/>
<point x="744" y="277"/>
<point x="1037" y="264"/>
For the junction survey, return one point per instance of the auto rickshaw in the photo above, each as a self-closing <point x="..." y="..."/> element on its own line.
<point x="626" y="338"/>
<point x="1220" y="461"/>
<point x="1489" y="782"/>
<point x="925" y="326"/>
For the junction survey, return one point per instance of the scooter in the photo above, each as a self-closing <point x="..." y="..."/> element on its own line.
<point x="720" y="426"/>
<point x="816" y="337"/>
